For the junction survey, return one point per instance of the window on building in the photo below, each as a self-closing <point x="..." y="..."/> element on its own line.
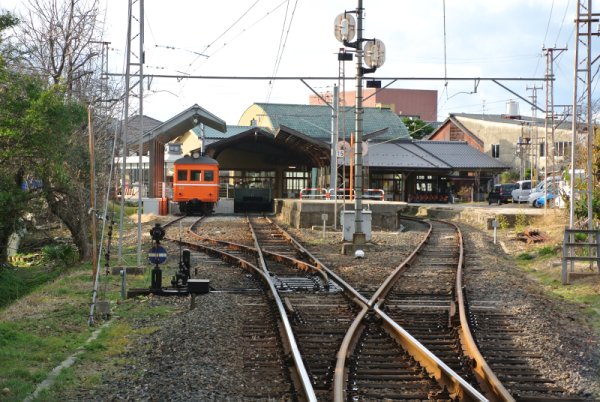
<point x="294" y="182"/>
<point x="542" y="149"/>
<point x="495" y="150"/>
<point x="195" y="175"/>
<point x="562" y="148"/>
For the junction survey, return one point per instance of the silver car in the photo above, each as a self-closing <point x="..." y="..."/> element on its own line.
<point x="539" y="191"/>
<point x="521" y="191"/>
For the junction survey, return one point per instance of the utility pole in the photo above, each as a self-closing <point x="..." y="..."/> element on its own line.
<point x="141" y="133"/>
<point x="371" y="52"/>
<point x="534" y="133"/>
<point x="551" y="55"/>
<point x="582" y="95"/>
<point x="138" y="61"/>
<point x="359" y="236"/>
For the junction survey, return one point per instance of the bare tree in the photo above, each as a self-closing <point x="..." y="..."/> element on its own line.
<point x="60" y="40"/>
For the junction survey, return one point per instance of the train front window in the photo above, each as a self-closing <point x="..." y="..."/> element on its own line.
<point x="209" y="175"/>
<point x="182" y="175"/>
<point x="195" y="175"/>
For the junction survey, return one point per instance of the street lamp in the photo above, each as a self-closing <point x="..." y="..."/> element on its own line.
<point x="373" y="54"/>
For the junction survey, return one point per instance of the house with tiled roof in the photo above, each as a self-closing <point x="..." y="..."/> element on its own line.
<point x="516" y="141"/>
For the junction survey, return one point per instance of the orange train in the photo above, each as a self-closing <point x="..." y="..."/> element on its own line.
<point x="196" y="184"/>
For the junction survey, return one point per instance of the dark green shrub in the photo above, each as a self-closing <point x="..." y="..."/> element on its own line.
<point x="546" y="250"/>
<point x="524" y="257"/>
<point x="60" y="254"/>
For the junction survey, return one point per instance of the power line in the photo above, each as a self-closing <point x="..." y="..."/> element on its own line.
<point x="280" y="57"/>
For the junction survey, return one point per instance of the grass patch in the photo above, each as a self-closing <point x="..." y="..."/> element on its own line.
<point x="130" y="208"/>
<point x="582" y="294"/>
<point x="547" y="251"/>
<point x="18" y="282"/>
<point x="525" y="257"/>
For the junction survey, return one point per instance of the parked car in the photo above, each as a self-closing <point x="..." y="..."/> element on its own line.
<point x="501" y="193"/>
<point x="521" y="191"/>
<point x="540" y="190"/>
<point x="540" y="201"/>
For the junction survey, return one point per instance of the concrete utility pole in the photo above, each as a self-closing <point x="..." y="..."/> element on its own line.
<point x="359" y="236"/>
<point x="534" y="134"/>
<point x="549" y="121"/>
<point x="373" y="53"/>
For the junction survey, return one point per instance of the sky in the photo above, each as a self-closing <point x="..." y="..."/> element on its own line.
<point x="294" y="38"/>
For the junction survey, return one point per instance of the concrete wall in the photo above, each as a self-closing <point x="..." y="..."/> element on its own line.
<point x="307" y="213"/>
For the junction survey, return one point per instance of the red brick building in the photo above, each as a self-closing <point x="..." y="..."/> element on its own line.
<point x="419" y="103"/>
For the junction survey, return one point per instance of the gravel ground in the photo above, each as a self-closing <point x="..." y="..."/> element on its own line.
<point x="190" y="358"/>
<point x="552" y="328"/>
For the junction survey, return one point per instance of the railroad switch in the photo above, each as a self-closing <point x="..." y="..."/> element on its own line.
<point x="183" y="274"/>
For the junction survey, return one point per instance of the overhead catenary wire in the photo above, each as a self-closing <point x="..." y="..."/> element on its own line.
<point x="277" y="56"/>
<point x="282" y="48"/>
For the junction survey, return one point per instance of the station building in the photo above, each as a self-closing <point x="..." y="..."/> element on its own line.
<point x="286" y="149"/>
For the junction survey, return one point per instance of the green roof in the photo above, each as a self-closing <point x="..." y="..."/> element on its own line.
<point x="315" y="121"/>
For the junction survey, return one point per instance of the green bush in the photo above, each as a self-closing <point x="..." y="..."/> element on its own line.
<point x="546" y="250"/>
<point x="60" y="254"/>
<point x="502" y="221"/>
<point x="520" y="222"/>
<point x="524" y="257"/>
<point x="509" y="177"/>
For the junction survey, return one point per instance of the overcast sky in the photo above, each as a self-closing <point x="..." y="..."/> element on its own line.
<point x="486" y="38"/>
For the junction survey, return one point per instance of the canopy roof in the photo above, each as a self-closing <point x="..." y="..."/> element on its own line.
<point x="172" y="128"/>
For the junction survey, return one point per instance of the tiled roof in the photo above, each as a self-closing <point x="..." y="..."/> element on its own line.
<point x="460" y="155"/>
<point x="503" y="119"/>
<point x="315" y="121"/>
<point x="426" y="155"/>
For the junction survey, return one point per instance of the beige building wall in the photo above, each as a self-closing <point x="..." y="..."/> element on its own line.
<point x="255" y="116"/>
<point x="507" y="135"/>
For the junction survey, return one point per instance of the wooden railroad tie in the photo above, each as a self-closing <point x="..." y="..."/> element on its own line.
<point x="531" y="236"/>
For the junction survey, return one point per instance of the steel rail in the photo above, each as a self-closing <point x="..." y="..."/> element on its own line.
<point x="456" y="385"/>
<point x="434" y="366"/>
<point x="389" y="282"/>
<point x="287" y="334"/>
<point x="486" y="378"/>
<point x="356" y="296"/>
<point x="295" y="351"/>
<point x="289" y="261"/>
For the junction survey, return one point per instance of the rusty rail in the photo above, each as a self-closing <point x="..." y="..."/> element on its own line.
<point x="486" y="378"/>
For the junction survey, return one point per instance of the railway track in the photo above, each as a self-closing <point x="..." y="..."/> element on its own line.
<point x="496" y="332"/>
<point x="410" y="340"/>
<point x="263" y="355"/>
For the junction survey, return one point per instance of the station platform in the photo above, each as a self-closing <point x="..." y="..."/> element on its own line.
<point x="301" y="213"/>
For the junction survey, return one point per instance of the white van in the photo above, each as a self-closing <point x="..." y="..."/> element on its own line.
<point x="521" y="192"/>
